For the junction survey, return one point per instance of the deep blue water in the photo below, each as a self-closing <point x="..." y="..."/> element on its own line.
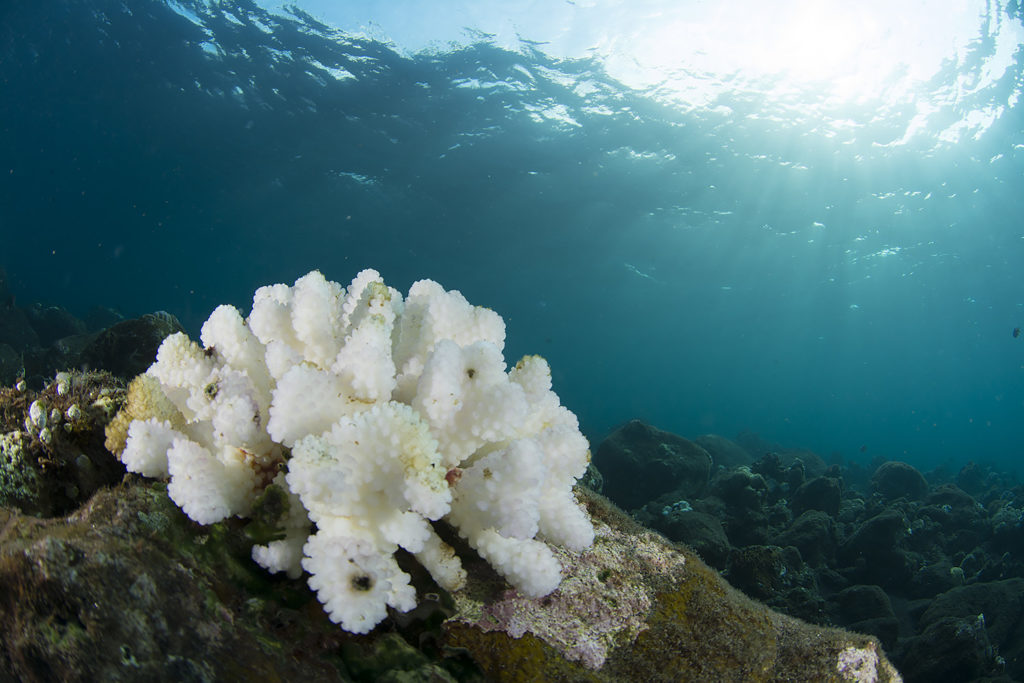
<point x="709" y="270"/>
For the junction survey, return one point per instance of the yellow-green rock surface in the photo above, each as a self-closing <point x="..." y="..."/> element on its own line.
<point x="635" y="607"/>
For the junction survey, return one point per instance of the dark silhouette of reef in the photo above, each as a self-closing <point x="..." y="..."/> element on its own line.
<point x="39" y="340"/>
<point x="932" y="565"/>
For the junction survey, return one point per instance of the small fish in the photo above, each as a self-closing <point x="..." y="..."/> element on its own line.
<point x="1016" y="332"/>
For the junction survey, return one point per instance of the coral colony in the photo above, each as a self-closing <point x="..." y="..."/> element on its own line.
<point x="373" y="415"/>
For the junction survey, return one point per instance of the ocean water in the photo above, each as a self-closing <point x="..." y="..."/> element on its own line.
<point x="776" y="228"/>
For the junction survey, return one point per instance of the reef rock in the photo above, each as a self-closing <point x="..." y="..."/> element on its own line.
<point x="127" y="348"/>
<point x="127" y="588"/>
<point x="813" y="534"/>
<point x="640" y="462"/>
<point x="53" y="322"/>
<point x="897" y="479"/>
<point x="15" y="328"/>
<point x="701" y="531"/>
<point x="724" y="452"/>
<point x="820" y="493"/>
<point x="52" y="457"/>
<point x="952" y="649"/>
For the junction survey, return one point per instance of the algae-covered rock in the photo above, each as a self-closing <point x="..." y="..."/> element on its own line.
<point x="640" y="462"/>
<point x="123" y="590"/>
<point x="11" y="364"/>
<point x="820" y="493"/>
<point x="700" y="531"/>
<point x="635" y="607"/>
<point x="52" y="456"/>
<point x="127" y="588"/>
<point x="724" y="452"/>
<point x="895" y="479"/>
<point x="128" y="347"/>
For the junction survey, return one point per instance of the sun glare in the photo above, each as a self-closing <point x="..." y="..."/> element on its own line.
<point x="819" y="42"/>
<point x="839" y="46"/>
<point x="829" y="59"/>
<point x="817" y="57"/>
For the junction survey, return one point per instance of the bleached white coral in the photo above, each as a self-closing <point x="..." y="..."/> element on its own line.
<point x="147" y="447"/>
<point x="353" y="578"/>
<point x="378" y="416"/>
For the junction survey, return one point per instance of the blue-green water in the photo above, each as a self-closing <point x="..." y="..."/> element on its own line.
<point x="839" y="276"/>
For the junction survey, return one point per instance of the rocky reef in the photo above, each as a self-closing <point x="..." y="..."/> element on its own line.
<point x="106" y="579"/>
<point x="930" y="564"/>
<point x="38" y="340"/>
<point x="116" y="583"/>
<point x="52" y="456"/>
<point x="127" y="588"/>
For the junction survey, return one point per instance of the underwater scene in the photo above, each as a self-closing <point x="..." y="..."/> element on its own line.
<point x="581" y="340"/>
